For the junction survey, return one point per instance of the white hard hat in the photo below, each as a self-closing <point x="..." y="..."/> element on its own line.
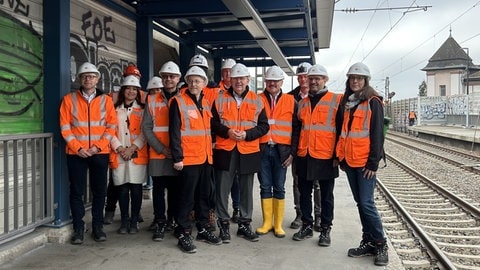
<point x="274" y="73"/>
<point x="195" y="71"/>
<point x="317" y="70"/>
<point x="87" y="68"/>
<point x="228" y="63"/>
<point x="155" y="82"/>
<point x="170" y="67"/>
<point x="239" y="70"/>
<point x="359" y="69"/>
<point x="131" y="80"/>
<point x="303" y="68"/>
<point x="199" y="60"/>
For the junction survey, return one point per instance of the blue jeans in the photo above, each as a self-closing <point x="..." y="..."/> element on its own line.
<point x="272" y="175"/>
<point x="363" y="194"/>
<point x="97" y="168"/>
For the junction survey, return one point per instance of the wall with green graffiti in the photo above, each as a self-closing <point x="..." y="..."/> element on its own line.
<point x="21" y="71"/>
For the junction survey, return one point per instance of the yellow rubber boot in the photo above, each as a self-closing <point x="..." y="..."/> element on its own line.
<point x="267" y="211"/>
<point x="278" y="211"/>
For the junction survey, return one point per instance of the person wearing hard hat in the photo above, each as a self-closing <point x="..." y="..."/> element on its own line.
<point x="160" y="165"/>
<point x="237" y="149"/>
<point x="129" y="155"/>
<point x="359" y="150"/>
<point x="154" y="85"/>
<point x="191" y="145"/>
<point x="300" y="92"/>
<point x="321" y="122"/>
<point x="87" y="124"/>
<point x="277" y="150"/>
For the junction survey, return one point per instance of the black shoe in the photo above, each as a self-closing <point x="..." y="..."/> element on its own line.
<point x="381" y="254"/>
<point x="77" y="237"/>
<point x="317" y="226"/>
<point x="304" y="233"/>
<point x="185" y="243"/>
<point x="224" y="227"/>
<point x="133" y="227"/>
<point x="171" y="225"/>
<point x="235" y="215"/>
<point x="324" y="238"/>
<point x="245" y="231"/>
<point x="159" y="232"/>
<point x="123" y="228"/>
<point x="108" y="217"/>
<point x="208" y="237"/>
<point x="366" y="248"/>
<point x="99" y="235"/>
<point x="297" y="222"/>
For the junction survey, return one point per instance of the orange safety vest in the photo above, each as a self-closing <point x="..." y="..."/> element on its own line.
<point x="354" y="144"/>
<point x="243" y="117"/>
<point x="158" y="107"/>
<point x="196" y="138"/>
<point x="411" y="115"/>
<point x="84" y="125"/>
<point x="280" y="120"/>
<point x="135" y="129"/>
<point x="318" y="132"/>
<point x="209" y="93"/>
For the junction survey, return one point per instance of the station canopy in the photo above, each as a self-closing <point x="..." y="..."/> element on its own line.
<point x="257" y="32"/>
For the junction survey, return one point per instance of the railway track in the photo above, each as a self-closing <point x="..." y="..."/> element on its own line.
<point x="439" y="230"/>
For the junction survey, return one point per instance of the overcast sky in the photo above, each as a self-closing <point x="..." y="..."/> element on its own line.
<point x="397" y="44"/>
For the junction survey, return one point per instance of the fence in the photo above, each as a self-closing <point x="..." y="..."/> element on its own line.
<point x="26" y="183"/>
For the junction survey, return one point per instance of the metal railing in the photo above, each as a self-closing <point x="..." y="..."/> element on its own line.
<point x="26" y="183"/>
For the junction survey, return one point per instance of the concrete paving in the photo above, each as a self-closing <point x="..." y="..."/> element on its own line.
<point x="140" y="252"/>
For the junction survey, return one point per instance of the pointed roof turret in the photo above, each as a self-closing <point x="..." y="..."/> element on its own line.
<point x="449" y="56"/>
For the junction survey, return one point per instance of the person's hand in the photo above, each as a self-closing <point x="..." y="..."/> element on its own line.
<point x="84" y="153"/>
<point x="287" y="161"/>
<point x="240" y="135"/>
<point x="178" y="165"/>
<point x="166" y="151"/>
<point x="368" y="174"/>
<point x="93" y="150"/>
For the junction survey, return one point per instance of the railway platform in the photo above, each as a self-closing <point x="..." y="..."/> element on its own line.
<point x="140" y="252"/>
<point x="467" y="138"/>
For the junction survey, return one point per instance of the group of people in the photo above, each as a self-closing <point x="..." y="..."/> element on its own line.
<point x="198" y="141"/>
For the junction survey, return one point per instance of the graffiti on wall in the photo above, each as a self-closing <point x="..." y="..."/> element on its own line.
<point x="21" y="73"/>
<point x="98" y="32"/>
<point x="457" y="105"/>
<point x="433" y="108"/>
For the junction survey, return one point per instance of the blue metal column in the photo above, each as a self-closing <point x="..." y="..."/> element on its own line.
<point x="217" y="65"/>
<point x="187" y="51"/>
<point x="56" y="49"/>
<point x="145" y="48"/>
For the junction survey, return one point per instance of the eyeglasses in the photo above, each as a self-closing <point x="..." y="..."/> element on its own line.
<point x="88" y="77"/>
<point x="358" y="78"/>
<point x="195" y="81"/>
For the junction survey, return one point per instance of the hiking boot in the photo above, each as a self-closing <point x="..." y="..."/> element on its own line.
<point x="185" y="243"/>
<point x="207" y="236"/>
<point x="159" y="232"/>
<point x="99" y="235"/>
<point x="245" y="231"/>
<point x="297" y="222"/>
<point x="324" y="238"/>
<point x="77" y="237"/>
<point x="108" y="217"/>
<point x="235" y="215"/>
<point x="366" y="248"/>
<point x="381" y="254"/>
<point x="224" y="227"/>
<point x="317" y="226"/>
<point x="304" y="233"/>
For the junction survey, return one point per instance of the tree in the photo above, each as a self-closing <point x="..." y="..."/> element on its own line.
<point x="422" y="89"/>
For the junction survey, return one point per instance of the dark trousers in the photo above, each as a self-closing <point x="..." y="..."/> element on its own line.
<point x="195" y="187"/>
<point x="160" y="184"/>
<point x="97" y="168"/>
<point x="130" y="193"/>
<point x="112" y="194"/>
<point x="326" y="200"/>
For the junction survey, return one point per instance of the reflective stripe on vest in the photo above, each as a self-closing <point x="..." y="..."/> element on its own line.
<point x="281" y="130"/>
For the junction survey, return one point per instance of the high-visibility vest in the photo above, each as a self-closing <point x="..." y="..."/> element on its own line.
<point x="196" y="138"/>
<point x="242" y="118"/>
<point x="84" y="125"/>
<point x="280" y="120"/>
<point x="209" y="93"/>
<point x="158" y="108"/>
<point x="135" y="128"/>
<point x="318" y="132"/>
<point x="411" y="115"/>
<point x="354" y="144"/>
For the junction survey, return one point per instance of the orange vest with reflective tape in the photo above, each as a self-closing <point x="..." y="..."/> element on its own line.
<point x="354" y="144"/>
<point x="158" y="107"/>
<point x="84" y="124"/>
<point x="281" y="119"/>
<point x="196" y="138"/>
<point x="243" y="117"/>
<point x="318" y="132"/>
